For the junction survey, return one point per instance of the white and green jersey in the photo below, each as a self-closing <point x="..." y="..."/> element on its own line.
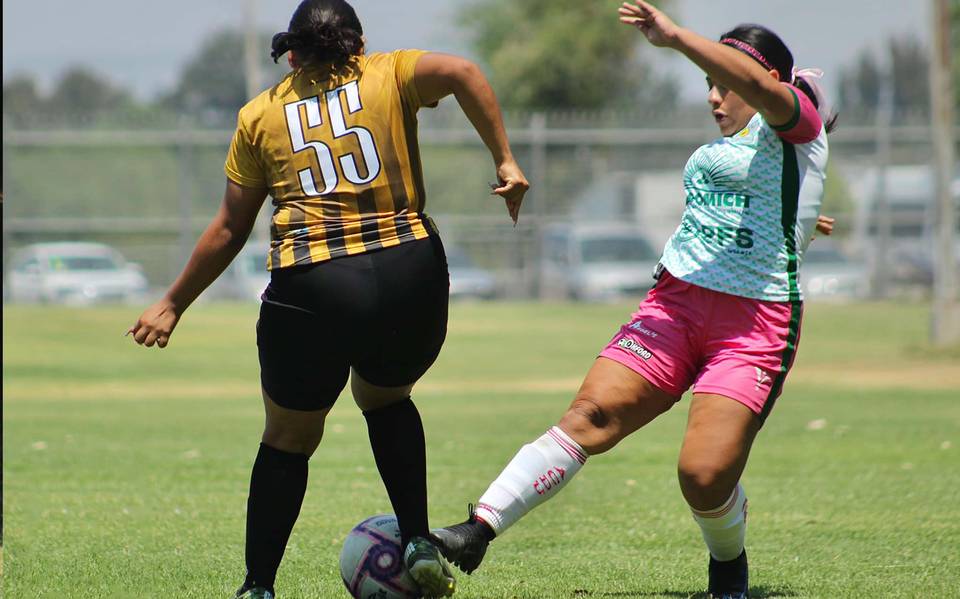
<point x="752" y="206"/>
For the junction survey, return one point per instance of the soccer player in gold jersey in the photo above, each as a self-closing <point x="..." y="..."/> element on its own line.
<point x="359" y="283"/>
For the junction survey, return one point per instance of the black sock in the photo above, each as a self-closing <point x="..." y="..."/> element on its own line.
<point x="396" y="437"/>
<point x="277" y="486"/>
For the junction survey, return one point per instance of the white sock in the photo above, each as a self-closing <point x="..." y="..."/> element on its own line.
<point x="535" y="474"/>
<point x="725" y="527"/>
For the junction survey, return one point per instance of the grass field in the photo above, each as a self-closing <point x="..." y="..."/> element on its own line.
<point x="126" y="470"/>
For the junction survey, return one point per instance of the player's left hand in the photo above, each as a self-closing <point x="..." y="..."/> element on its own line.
<point x="511" y="185"/>
<point x="825" y="225"/>
<point x="656" y="26"/>
<point x="156" y="324"/>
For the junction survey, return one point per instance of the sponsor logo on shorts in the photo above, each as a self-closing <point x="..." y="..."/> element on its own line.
<point x="762" y="378"/>
<point x="638" y="327"/>
<point x="632" y="346"/>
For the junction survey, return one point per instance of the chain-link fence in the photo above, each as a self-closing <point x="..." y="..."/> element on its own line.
<point x="149" y="191"/>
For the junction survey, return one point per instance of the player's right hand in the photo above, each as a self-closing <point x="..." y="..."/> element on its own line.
<point x="511" y="186"/>
<point x="655" y="26"/>
<point x="156" y="324"/>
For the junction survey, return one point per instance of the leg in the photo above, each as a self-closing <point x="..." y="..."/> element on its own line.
<point x="613" y="402"/>
<point x="399" y="448"/>
<point x="277" y="486"/>
<point x="300" y="385"/>
<point x="720" y="432"/>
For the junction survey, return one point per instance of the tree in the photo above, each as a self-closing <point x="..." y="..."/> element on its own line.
<point x="561" y="54"/>
<point x="214" y="78"/>
<point x="21" y="101"/>
<point x="906" y="68"/>
<point x="80" y="96"/>
<point x="81" y="91"/>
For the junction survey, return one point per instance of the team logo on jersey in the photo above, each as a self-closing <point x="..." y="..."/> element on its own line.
<point x="632" y="346"/>
<point x="762" y="378"/>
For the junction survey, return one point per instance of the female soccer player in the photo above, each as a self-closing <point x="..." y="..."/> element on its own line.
<point x="724" y="316"/>
<point x="359" y="281"/>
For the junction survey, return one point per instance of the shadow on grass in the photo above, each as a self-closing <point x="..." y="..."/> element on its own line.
<point x="756" y="592"/>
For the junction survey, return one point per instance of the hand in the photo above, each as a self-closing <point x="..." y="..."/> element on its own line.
<point x="656" y="26"/>
<point x="156" y="324"/>
<point x="825" y="224"/>
<point x="511" y="186"/>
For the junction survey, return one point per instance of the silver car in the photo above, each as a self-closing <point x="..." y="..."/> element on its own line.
<point x="73" y="273"/>
<point x="827" y="274"/>
<point x="467" y="280"/>
<point x="245" y="278"/>
<point x="596" y="262"/>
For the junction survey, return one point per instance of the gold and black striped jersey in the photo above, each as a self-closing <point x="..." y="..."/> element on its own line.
<point x="338" y="153"/>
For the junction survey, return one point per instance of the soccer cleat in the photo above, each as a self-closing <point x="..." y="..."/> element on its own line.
<point x="428" y="569"/>
<point x="728" y="580"/>
<point x="466" y="543"/>
<point x="248" y="591"/>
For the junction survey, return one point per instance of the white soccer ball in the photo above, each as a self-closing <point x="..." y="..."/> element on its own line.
<point x="371" y="562"/>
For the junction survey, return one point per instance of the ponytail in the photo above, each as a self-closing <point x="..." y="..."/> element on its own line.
<point x="321" y="31"/>
<point x="807" y="81"/>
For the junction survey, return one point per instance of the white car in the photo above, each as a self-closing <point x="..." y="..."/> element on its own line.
<point x="73" y="273"/>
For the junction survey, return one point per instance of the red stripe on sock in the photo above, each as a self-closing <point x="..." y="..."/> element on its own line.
<point x="570" y="449"/>
<point x="722" y="510"/>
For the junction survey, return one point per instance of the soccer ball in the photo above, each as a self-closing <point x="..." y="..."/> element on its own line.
<point x="371" y="562"/>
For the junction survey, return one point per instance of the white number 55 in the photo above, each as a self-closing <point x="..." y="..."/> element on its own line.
<point x="348" y="163"/>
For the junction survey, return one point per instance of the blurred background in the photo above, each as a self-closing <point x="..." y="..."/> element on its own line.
<point x="116" y="121"/>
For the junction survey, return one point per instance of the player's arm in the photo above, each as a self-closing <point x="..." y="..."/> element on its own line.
<point x="440" y="75"/>
<point x="726" y="66"/>
<point x="223" y="238"/>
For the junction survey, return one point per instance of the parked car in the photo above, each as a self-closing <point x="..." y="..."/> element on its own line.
<point x="73" y="273"/>
<point x="467" y="280"/>
<point x="245" y="278"/>
<point x="596" y="262"/>
<point x="826" y="273"/>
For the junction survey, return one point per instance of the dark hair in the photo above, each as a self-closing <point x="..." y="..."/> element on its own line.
<point x="321" y="31"/>
<point x="777" y="56"/>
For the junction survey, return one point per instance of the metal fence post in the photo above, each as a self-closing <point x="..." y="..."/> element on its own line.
<point x="185" y="179"/>
<point x="945" y="325"/>
<point x="881" y="216"/>
<point x="538" y="180"/>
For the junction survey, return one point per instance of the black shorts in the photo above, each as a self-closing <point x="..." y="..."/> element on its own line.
<point x="383" y="313"/>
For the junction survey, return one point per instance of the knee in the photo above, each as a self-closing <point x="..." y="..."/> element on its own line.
<point x="590" y="425"/>
<point x="293" y="441"/>
<point x="705" y="484"/>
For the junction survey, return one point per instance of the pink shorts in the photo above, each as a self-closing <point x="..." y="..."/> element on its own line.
<point x="686" y="336"/>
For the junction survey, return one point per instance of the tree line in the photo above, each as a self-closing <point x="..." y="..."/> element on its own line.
<point x="557" y="54"/>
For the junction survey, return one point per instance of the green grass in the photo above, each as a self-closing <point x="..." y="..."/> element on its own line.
<point x="125" y="470"/>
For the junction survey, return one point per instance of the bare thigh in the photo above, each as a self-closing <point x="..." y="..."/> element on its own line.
<point x="716" y="445"/>
<point x="372" y="397"/>
<point x="612" y="402"/>
<point x="293" y="431"/>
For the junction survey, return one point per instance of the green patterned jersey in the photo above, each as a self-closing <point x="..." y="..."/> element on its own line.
<point x="752" y="205"/>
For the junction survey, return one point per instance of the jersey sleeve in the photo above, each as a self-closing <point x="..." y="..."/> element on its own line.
<point x="243" y="165"/>
<point x="805" y="125"/>
<point x="406" y="64"/>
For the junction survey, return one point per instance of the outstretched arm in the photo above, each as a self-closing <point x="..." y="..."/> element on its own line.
<point x="726" y="66"/>
<point x="440" y="75"/>
<point x="218" y="245"/>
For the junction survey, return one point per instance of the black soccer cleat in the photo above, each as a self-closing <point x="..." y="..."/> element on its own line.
<point x="729" y="580"/>
<point x="465" y="544"/>
<point x="248" y="591"/>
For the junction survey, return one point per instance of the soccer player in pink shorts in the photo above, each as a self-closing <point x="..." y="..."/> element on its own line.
<point x="724" y="316"/>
